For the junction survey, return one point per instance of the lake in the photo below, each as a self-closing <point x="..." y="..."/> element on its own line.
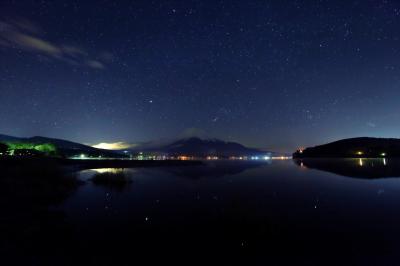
<point x="281" y="212"/>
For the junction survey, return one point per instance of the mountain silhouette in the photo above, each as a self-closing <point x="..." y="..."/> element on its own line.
<point x="64" y="147"/>
<point x="195" y="146"/>
<point x="364" y="147"/>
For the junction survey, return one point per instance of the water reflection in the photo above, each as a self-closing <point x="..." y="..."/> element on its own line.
<point x="233" y="213"/>
<point x="108" y="170"/>
<point x="215" y="169"/>
<point x="359" y="168"/>
<point x="29" y="197"/>
<point x="113" y="178"/>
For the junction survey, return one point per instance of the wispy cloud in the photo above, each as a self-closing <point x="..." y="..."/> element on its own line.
<point x="95" y="64"/>
<point x="27" y="36"/>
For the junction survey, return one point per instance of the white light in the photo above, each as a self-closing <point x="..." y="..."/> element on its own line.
<point x="108" y="170"/>
<point x="113" y="146"/>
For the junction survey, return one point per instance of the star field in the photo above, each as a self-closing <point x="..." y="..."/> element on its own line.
<point x="269" y="74"/>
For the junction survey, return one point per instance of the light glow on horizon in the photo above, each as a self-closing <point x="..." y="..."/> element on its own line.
<point x="113" y="146"/>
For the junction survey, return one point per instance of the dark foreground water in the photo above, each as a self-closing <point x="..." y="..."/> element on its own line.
<point x="336" y="212"/>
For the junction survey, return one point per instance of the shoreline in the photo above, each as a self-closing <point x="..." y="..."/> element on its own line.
<point x="93" y="164"/>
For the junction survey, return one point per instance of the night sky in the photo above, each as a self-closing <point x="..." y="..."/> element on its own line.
<point x="268" y="74"/>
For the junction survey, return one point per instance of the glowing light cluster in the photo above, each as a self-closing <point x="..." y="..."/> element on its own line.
<point x="113" y="146"/>
<point x="46" y="148"/>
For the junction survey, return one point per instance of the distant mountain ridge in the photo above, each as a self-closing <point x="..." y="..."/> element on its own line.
<point x="65" y="147"/>
<point x="195" y="146"/>
<point x="353" y="147"/>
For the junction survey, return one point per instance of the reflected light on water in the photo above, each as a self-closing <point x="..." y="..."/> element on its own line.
<point x="360" y="162"/>
<point x="302" y="165"/>
<point x="384" y="161"/>
<point x="108" y="170"/>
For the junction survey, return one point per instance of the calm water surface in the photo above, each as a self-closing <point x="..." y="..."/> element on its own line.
<point x="346" y="212"/>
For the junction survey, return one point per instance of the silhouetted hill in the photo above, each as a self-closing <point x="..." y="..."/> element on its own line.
<point x="190" y="147"/>
<point x="5" y="138"/>
<point x="353" y="148"/>
<point x="205" y="147"/>
<point x="64" y="147"/>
